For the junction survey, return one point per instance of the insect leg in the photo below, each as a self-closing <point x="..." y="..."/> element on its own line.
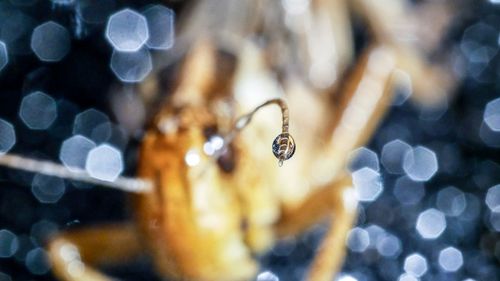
<point x="75" y="253"/>
<point x="393" y="22"/>
<point x="338" y="199"/>
<point x="331" y="253"/>
<point x="363" y="101"/>
<point x="358" y="108"/>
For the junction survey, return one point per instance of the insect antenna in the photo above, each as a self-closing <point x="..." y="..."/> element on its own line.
<point x="283" y="146"/>
<point x="57" y="170"/>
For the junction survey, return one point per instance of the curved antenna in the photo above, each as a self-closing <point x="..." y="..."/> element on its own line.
<point x="283" y="146"/>
<point x="57" y="170"/>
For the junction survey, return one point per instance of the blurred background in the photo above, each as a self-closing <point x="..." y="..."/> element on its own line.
<point x="68" y="69"/>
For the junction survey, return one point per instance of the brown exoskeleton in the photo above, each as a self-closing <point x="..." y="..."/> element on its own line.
<point x="218" y="197"/>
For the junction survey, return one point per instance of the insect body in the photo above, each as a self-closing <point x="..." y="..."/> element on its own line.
<point x="217" y="197"/>
<point x="206" y="218"/>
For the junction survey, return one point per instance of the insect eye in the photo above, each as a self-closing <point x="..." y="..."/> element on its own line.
<point x="214" y="146"/>
<point x="210" y="131"/>
<point x="227" y="160"/>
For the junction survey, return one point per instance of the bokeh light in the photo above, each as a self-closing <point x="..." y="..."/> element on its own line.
<point x="161" y="27"/>
<point x="192" y="158"/>
<point x="38" y="111"/>
<point x="420" y="164"/>
<point x="368" y="184"/>
<point x="416" y="265"/>
<point x="492" y="115"/>
<point x="450" y="259"/>
<point x="267" y="276"/>
<point x="389" y="246"/>
<point x="104" y="162"/>
<point x="7" y="136"/>
<point x="407" y="277"/>
<point x="408" y="191"/>
<point x="346" y="277"/>
<point x="451" y="201"/>
<point x="37" y="261"/>
<point x="493" y="197"/>
<point x="363" y="158"/>
<point x="431" y="223"/>
<point x="131" y="67"/>
<point x="358" y="240"/>
<point x="495" y="220"/>
<point x="214" y="144"/>
<point x="50" y="41"/>
<point x="8" y="243"/>
<point x="74" y="151"/>
<point x="47" y="189"/>
<point x="86" y="121"/>
<point x="4" y="55"/>
<point x="127" y="31"/>
<point x="479" y="45"/>
<point x="393" y="154"/>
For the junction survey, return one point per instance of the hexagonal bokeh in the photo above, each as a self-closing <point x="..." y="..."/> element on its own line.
<point x="451" y="201"/>
<point x="38" y="111"/>
<point x="161" y="27"/>
<point x="131" y="67"/>
<point x="37" y="261"/>
<point x="416" y="265"/>
<point x="492" y="115"/>
<point x="389" y="246"/>
<point x="431" y="223"/>
<point x="104" y="162"/>
<point x="127" y="30"/>
<point x="47" y="189"/>
<point x="7" y="136"/>
<point x="74" y="152"/>
<point x="4" y="55"/>
<point x="420" y="164"/>
<point x="494" y="219"/>
<point x="87" y="121"/>
<point x="408" y="191"/>
<point x="493" y="197"/>
<point x="368" y="184"/>
<point x="50" y="41"/>
<point x="450" y="259"/>
<point x="9" y="243"/>
<point x="393" y="154"/>
<point x="357" y="240"/>
<point x="267" y="276"/>
<point x="363" y="157"/>
<point x="407" y="277"/>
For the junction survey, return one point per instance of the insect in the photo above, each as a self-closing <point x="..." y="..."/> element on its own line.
<point x="211" y="195"/>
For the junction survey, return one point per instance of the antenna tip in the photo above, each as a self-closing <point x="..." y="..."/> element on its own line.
<point x="283" y="147"/>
